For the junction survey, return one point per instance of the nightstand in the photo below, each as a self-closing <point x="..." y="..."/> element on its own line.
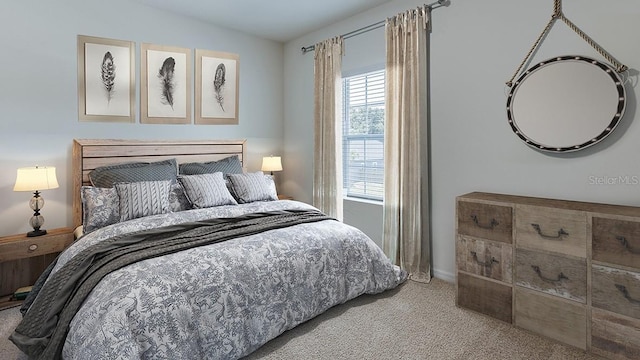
<point x="23" y="259"/>
<point x="284" y="197"/>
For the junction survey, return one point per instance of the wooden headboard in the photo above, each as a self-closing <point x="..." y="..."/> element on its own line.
<point x="89" y="154"/>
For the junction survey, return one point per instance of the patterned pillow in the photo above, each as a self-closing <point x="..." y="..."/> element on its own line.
<point x="206" y="190"/>
<point x="107" y="176"/>
<point x="178" y="200"/>
<point x="252" y="187"/>
<point x="272" y="185"/>
<point x="100" y="207"/>
<point x="143" y="198"/>
<point x="229" y="165"/>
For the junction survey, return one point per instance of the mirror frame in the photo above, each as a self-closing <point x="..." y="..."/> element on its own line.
<point x="619" y="113"/>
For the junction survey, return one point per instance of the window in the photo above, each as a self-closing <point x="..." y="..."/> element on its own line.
<point x="363" y="135"/>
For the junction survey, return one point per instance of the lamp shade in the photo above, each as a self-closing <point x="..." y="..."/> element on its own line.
<point x="271" y="163"/>
<point x="36" y="178"/>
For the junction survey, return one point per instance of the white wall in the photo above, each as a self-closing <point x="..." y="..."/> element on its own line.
<point x="38" y="91"/>
<point x="475" y="48"/>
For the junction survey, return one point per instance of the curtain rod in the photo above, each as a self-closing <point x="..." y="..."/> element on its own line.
<point x="379" y="24"/>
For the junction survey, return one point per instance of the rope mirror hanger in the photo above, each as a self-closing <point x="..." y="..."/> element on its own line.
<point x="558" y="14"/>
<point x="569" y="102"/>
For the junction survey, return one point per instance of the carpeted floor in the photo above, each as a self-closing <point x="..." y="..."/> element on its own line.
<point x="414" y="321"/>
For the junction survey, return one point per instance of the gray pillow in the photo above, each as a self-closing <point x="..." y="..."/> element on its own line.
<point x="206" y="190"/>
<point x="229" y="165"/>
<point x="107" y="176"/>
<point x="252" y="187"/>
<point x="143" y="198"/>
<point x="100" y="207"/>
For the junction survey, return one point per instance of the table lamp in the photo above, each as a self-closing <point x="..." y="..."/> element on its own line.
<point x="35" y="179"/>
<point x="271" y="163"/>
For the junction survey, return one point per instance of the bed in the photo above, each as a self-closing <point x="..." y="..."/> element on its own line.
<point x="212" y="282"/>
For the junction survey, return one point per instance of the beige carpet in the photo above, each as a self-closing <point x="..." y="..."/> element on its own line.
<point x="415" y="321"/>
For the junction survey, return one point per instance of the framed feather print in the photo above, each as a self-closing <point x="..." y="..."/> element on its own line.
<point x="106" y="79"/>
<point x="165" y="91"/>
<point x="217" y="79"/>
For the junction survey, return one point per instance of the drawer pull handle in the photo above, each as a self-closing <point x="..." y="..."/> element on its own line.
<point x="33" y="247"/>
<point x="491" y="225"/>
<point x="561" y="276"/>
<point x="623" y="240"/>
<point x="484" y="263"/>
<point x="625" y="293"/>
<point x="559" y="236"/>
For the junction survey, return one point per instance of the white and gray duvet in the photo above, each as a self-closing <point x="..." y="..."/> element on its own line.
<point x="224" y="300"/>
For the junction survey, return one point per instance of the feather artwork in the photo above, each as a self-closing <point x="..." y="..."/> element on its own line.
<point x="166" y="80"/>
<point x="108" y="74"/>
<point x="218" y="84"/>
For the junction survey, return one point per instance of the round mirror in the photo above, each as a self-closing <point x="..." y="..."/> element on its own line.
<point x="566" y="103"/>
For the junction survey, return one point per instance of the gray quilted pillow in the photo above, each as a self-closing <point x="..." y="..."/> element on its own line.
<point x="143" y="198"/>
<point x="229" y="165"/>
<point x="107" y="176"/>
<point x="100" y="207"/>
<point x="206" y="190"/>
<point x="252" y="187"/>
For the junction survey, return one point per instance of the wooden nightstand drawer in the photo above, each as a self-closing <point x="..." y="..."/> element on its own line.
<point x="23" y="259"/>
<point x="20" y="246"/>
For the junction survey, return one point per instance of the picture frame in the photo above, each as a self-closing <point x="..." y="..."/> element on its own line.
<point x="165" y="84"/>
<point x="217" y="87"/>
<point x="106" y="79"/>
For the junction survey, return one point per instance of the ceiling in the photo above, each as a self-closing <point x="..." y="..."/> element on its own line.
<point x="280" y="20"/>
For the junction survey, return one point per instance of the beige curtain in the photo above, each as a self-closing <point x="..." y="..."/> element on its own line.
<point x="327" y="165"/>
<point x="406" y="198"/>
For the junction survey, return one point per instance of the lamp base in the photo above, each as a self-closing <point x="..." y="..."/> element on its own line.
<point x="35" y="233"/>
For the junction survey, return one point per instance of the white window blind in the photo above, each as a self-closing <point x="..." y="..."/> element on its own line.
<point x="363" y="135"/>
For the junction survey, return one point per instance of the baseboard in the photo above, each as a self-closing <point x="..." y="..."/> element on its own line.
<point x="444" y="275"/>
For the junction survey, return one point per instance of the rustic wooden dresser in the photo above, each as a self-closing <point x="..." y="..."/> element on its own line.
<point x="563" y="269"/>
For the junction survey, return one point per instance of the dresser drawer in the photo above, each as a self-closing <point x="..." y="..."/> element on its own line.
<point x="486" y="258"/>
<point x="553" y="274"/>
<point x="616" y="241"/>
<point x="486" y="221"/>
<point x="557" y="230"/>
<point x="613" y="336"/>
<point x="616" y="290"/>
<point x="484" y="296"/>
<point x="558" y="319"/>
